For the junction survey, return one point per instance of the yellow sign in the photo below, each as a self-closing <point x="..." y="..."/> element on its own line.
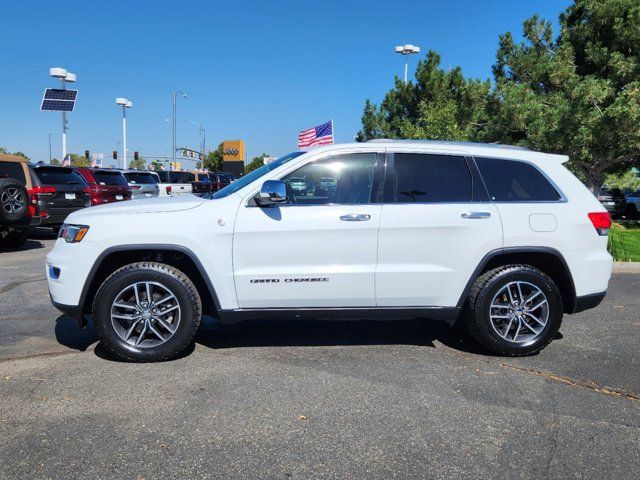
<point x="233" y="151"/>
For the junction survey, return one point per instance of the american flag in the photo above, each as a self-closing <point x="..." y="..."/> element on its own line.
<point x="320" y="135"/>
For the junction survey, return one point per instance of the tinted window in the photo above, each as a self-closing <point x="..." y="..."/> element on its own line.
<point x="58" y="176"/>
<point x="424" y="178"/>
<point x="181" y="177"/>
<point x="140" y="177"/>
<point x="109" y="178"/>
<point x="513" y="181"/>
<point x="343" y="179"/>
<point x="164" y="176"/>
<point x="12" y="170"/>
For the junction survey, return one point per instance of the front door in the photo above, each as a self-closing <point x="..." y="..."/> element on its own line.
<point x="319" y="249"/>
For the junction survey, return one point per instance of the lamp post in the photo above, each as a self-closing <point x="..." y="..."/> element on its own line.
<point x="50" y="156"/>
<point x="124" y="103"/>
<point x="406" y="50"/>
<point x="184" y="95"/>
<point x="202" y="132"/>
<point x="64" y="77"/>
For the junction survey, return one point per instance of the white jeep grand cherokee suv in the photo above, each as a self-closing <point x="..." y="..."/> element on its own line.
<point x="504" y="238"/>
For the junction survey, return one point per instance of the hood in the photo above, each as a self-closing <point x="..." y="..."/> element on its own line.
<point x="134" y="207"/>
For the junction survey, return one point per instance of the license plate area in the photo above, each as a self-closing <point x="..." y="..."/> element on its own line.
<point x="119" y="197"/>
<point x="69" y="196"/>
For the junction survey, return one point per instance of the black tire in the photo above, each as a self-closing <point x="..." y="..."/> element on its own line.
<point x="482" y="293"/>
<point x="14" y="239"/>
<point x="14" y="202"/>
<point x="177" y="282"/>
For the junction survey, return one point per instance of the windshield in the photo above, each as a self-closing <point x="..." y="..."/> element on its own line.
<point x="256" y="174"/>
<point x="109" y="178"/>
<point x="59" y="176"/>
<point x="140" y="177"/>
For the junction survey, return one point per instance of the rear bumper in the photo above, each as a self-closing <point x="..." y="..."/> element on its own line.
<point x="585" y="302"/>
<point x="57" y="216"/>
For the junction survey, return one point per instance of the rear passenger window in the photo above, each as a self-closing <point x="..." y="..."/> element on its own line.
<point x="514" y="181"/>
<point x="424" y="178"/>
<point x="12" y="170"/>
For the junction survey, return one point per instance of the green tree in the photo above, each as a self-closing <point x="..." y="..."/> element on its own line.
<point x="155" y="165"/>
<point x="55" y="161"/>
<point x="79" y="160"/>
<point x="20" y="154"/>
<point x="137" y="164"/>
<point x="3" y="151"/>
<point x="627" y="181"/>
<point x="577" y="94"/>
<point x="213" y="162"/>
<point x="256" y="162"/>
<point x="439" y="105"/>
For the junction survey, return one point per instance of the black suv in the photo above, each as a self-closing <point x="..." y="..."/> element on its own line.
<point x="613" y="200"/>
<point x="58" y="191"/>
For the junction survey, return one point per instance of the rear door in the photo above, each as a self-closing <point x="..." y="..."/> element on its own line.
<point x="437" y="223"/>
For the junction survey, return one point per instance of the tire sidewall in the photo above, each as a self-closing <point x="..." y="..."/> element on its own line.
<point x="492" y="287"/>
<point x="9" y="218"/>
<point x="114" y="285"/>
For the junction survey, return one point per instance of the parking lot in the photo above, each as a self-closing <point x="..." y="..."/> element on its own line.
<point x="314" y="399"/>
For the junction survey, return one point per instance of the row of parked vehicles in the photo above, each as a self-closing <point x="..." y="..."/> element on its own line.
<point x="44" y="195"/>
<point x="620" y="204"/>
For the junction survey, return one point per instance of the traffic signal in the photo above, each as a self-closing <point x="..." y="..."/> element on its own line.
<point x="115" y="154"/>
<point x="135" y="155"/>
<point x="86" y="154"/>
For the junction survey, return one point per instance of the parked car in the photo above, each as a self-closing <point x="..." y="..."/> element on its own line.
<point x="58" y="191"/>
<point x="164" y="189"/>
<point x="219" y="180"/>
<point x="106" y="185"/>
<point x="298" y="185"/>
<point x="180" y="181"/>
<point x="613" y="200"/>
<point x="17" y="213"/>
<point x="202" y="183"/>
<point x="143" y="184"/>
<point x="633" y="204"/>
<point x="504" y="239"/>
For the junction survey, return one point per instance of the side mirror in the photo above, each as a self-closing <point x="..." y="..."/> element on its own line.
<point x="272" y="193"/>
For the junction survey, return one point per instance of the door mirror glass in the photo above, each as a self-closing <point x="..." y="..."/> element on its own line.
<point x="272" y="193"/>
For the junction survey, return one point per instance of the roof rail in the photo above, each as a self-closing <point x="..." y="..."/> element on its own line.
<point x="449" y="143"/>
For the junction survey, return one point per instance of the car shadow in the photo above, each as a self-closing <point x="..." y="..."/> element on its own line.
<point x="28" y="245"/>
<point x="69" y="334"/>
<point x="295" y="333"/>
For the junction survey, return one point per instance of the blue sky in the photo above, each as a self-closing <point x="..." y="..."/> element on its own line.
<point x="260" y="71"/>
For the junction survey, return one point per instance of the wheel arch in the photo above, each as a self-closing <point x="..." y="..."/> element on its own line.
<point x="546" y="259"/>
<point x="177" y="256"/>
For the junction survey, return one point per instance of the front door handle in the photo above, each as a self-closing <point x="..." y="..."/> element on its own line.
<point x="355" y="217"/>
<point x="476" y="215"/>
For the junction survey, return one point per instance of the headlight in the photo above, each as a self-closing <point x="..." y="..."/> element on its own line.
<point x="73" y="233"/>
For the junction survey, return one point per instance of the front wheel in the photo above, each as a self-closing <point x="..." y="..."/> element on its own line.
<point x="514" y="310"/>
<point x="147" y="312"/>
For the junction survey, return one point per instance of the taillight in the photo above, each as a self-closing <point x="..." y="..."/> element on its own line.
<point x="168" y="189"/>
<point x="135" y="187"/>
<point x="601" y="222"/>
<point x="86" y="190"/>
<point x="43" y="190"/>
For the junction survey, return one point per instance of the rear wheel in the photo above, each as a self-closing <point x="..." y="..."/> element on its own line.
<point x="147" y="312"/>
<point x="14" y="201"/>
<point x="514" y="310"/>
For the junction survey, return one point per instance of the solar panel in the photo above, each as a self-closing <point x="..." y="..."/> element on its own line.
<point x="59" y="94"/>
<point x="59" y="100"/>
<point x="57" y="105"/>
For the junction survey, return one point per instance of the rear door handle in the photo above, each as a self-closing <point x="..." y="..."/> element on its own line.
<point x="355" y="217"/>
<point x="476" y="215"/>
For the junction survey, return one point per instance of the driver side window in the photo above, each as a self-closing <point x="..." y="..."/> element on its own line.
<point x="342" y="179"/>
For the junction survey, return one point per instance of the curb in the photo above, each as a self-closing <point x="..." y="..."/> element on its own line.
<point x="626" y="267"/>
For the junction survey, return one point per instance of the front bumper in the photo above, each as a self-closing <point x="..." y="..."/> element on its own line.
<point x="585" y="302"/>
<point x="72" y="311"/>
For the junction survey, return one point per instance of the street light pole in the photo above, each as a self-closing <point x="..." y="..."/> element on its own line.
<point x="406" y="50"/>
<point x="125" y="104"/>
<point x="64" y="77"/>
<point x="184" y="95"/>
<point x="50" y="156"/>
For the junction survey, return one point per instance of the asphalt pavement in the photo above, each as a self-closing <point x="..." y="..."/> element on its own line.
<point x="286" y="399"/>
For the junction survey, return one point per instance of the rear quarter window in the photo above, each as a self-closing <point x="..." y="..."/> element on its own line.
<point x="515" y="181"/>
<point x="12" y="170"/>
